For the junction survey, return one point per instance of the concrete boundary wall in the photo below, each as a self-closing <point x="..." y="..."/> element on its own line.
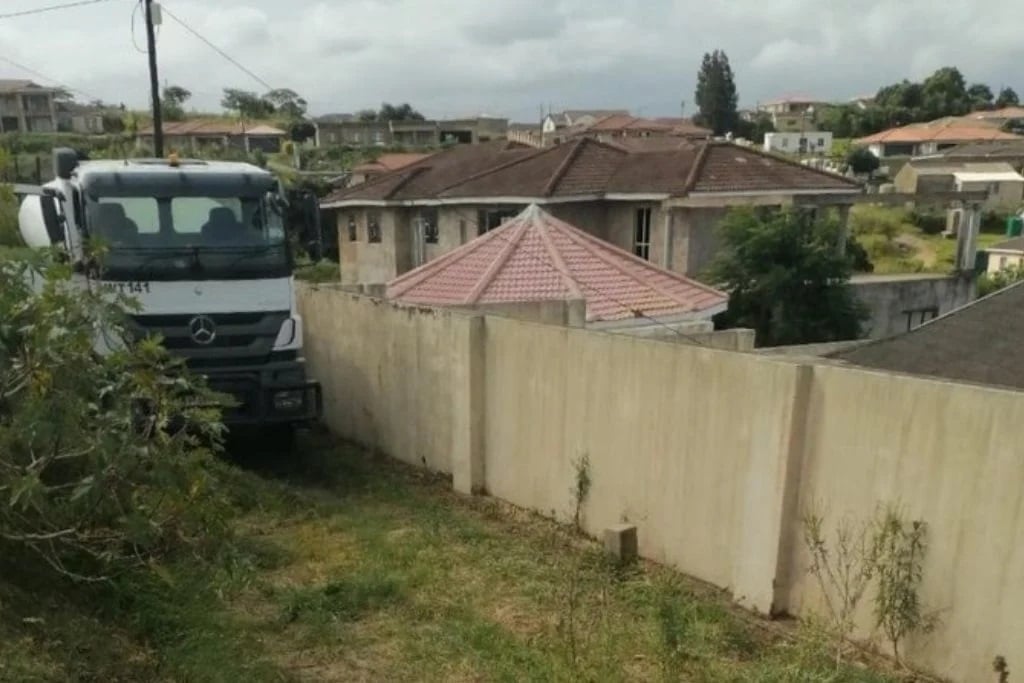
<point x="714" y="455"/>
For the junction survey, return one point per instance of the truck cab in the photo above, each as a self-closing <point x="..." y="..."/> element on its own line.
<point x="204" y="249"/>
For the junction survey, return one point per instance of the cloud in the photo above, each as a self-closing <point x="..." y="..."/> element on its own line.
<point x="512" y="57"/>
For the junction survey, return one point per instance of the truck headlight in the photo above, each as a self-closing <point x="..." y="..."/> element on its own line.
<point x="289" y="401"/>
<point x="286" y="335"/>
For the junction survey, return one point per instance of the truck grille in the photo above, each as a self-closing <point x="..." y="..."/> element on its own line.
<point x="240" y="339"/>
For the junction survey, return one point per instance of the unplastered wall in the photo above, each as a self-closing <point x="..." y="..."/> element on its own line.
<point x="690" y="444"/>
<point x="386" y="370"/>
<point x="951" y="455"/>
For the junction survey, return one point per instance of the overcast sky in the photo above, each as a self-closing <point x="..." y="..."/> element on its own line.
<point x="510" y="57"/>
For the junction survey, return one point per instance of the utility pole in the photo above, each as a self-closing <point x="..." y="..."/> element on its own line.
<point x="154" y="83"/>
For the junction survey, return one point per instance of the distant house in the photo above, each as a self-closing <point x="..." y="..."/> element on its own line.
<point x="1009" y="151"/>
<point x="82" y="118"/>
<point x="792" y="113"/>
<point x="346" y="130"/>
<point x="26" y="107"/>
<point x="534" y="258"/>
<point x="385" y="163"/>
<point x="1004" y="255"/>
<point x="576" y="118"/>
<point x="922" y="139"/>
<point x="661" y="203"/>
<point x="196" y="135"/>
<point x="1002" y="183"/>
<point x="619" y="126"/>
<point x="810" y="142"/>
<point x="1010" y="119"/>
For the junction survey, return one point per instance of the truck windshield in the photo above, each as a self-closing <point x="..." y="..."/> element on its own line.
<point x="189" y="237"/>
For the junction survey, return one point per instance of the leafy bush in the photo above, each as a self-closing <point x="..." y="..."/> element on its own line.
<point x="929" y="222"/>
<point x="98" y="472"/>
<point x="9" y="235"/>
<point x="866" y="219"/>
<point x="991" y="283"/>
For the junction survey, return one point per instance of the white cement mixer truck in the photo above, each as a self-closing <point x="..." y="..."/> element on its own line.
<point x="203" y="247"/>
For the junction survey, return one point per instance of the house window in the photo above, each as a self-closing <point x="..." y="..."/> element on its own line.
<point x="353" y="231"/>
<point x="462" y="231"/>
<point x="821" y="142"/>
<point x="373" y="226"/>
<point x="490" y="219"/>
<point x="919" y="316"/>
<point x="428" y="224"/>
<point x="1002" y="262"/>
<point x="785" y="142"/>
<point x="642" y="234"/>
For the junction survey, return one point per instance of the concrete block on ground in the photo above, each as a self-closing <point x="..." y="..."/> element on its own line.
<point x="620" y="543"/>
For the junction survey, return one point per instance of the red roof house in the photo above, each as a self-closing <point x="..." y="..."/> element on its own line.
<point x="536" y="257"/>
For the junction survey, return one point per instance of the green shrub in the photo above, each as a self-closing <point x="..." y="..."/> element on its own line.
<point x="98" y="473"/>
<point x="887" y="221"/>
<point x="991" y="283"/>
<point x="929" y="222"/>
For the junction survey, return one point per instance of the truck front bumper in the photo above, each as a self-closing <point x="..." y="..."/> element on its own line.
<point x="278" y="393"/>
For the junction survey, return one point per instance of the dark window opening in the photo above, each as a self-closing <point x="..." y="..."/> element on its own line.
<point x="373" y="226"/>
<point x="353" y="229"/>
<point x="642" y="234"/>
<point x="490" y="219"/>
<point x="462" y="231"/>
<point x="428" y="224"/>
<point x="919" y="316"/>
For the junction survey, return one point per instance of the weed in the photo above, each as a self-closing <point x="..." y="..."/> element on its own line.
<point x="900" y="568"/>
<point x="581" y="489"/>
<point x="843" y="570"/>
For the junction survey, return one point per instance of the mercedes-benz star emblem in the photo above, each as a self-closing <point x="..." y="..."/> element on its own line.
<point x="203" y="330"/>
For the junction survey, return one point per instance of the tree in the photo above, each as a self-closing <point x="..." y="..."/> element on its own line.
<point x="755" y="130"/>
<point x="945" y="94"/>
<point x="366" y="115"/>
<point x="300" y="131"/>
<point x="861" y="161"/>
<point x="1007" y="98"/>
<point x="97" y="473"/>
<point x="785" y="278"/>
<point x="716" y="94"/>
<point x="287" y="103"/>
<point x="981" y="96"/>
<point x="401" y="112"/>
<point x="246" y="104"/>
<point x="172" y="102"/>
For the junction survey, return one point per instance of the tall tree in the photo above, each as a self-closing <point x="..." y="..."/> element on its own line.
<point x="287" y="103"/>
<point x="172" y="102"/>
<point x="400" y="112"/>
<point x="945" y="94"/>
<point x="785" y="278"/>
<point x="716" y="94"/>
<point x="1007" y="98"/>
<point x="981" y="96"/>
<point x="246" y="104"/>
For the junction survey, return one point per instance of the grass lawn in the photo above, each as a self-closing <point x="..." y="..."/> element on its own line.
<point x="359" y="569"/>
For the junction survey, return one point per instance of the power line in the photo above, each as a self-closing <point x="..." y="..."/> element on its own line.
<point x="47" y="78"/>
<point x="51" y="8"/>
<point x="216" y="49"/>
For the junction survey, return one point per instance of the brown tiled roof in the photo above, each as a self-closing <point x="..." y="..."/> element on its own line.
<point x="586" y="167"/>
<point x="536" y="257"/>
<point x="625" y="124"/>
<point x="950" y="129"/>
<point x="979" y="343"/>
<point x="18" y="84"/>
<point x="732" y="168"/>
<point x="389" y="162"/>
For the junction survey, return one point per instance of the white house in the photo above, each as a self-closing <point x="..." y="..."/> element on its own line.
<point x="808" y="142"/>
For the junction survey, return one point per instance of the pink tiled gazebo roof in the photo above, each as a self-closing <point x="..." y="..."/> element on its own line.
<point x="536" y="257"/>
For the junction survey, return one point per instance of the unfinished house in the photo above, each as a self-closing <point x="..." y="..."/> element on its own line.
<point x="660" y="201"/>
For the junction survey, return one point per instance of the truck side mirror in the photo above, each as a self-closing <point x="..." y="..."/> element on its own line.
<point x="51" y="218"/>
